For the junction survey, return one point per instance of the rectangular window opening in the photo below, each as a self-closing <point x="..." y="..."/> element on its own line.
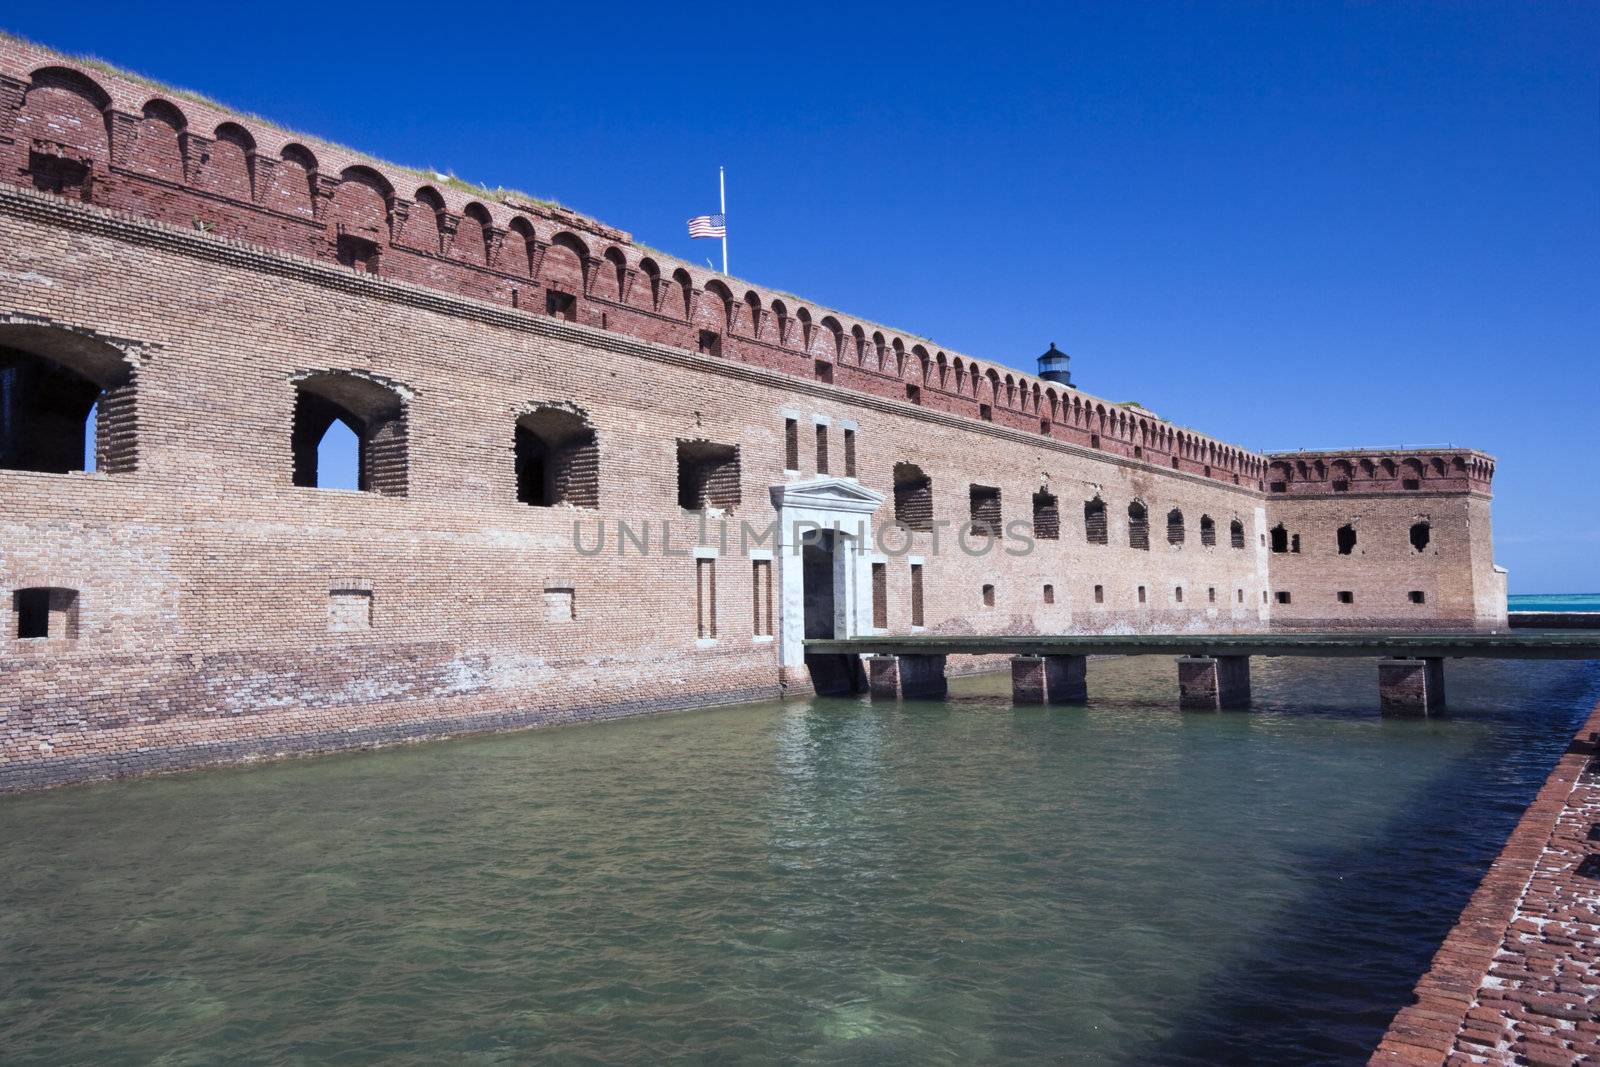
<point x="822" y="449"/>
<point x="1141" y="594"/>
<point x="45" y="612"/>
<point x="708" y="476"/>
<point x="984" y="502"/>
<point x="824" y="371"/>
<point x="1346" y="596"/>
<point x="986" y="412"/>
<point x="1283" y="597"/>
<point x="916" y="595"/>
<point x="791" y="444"/>
<point x="849" y="453"/>
<point x="988" y="596"/>
<point x="1417" y="596"/>
<point x="880" y="596"/>
<point x="705" y="598"/>
<point x="560" y="305"/>
<point x="1094" y="521"/>
<point x="1046" y="516"/>
<point x="710" y="343"/>
<point x="1049" y="594"/>
<point x="357" y="253"/>
<point x="761" y="597"/>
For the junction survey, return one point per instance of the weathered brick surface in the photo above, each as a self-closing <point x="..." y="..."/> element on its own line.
<point x="1518" y="979"/>
<point x="223" y="263"/>
<point x="1382" y="496"/>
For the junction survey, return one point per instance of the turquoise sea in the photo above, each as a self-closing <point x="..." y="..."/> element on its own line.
<point x="1555" y="602"/>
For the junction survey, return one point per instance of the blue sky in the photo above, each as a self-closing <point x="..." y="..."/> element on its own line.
<point x="1288" y="224"/>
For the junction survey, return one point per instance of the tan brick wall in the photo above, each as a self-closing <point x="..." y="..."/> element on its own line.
<point x="206" y="576"/>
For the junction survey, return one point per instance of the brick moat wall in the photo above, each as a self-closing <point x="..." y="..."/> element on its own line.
<point x="196" y="599"/>
<point x="1517" y="981"/>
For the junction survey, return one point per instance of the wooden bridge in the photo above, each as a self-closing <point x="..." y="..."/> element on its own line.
<point x="1213" y="669"/>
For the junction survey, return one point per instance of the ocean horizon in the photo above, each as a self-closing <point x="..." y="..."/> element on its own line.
<point x="1554" y="602"/>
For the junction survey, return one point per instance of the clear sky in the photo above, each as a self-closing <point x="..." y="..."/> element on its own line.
<point x="1287" y="224"/>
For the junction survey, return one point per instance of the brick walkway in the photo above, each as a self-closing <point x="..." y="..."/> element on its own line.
<point x="1518" y="979"/>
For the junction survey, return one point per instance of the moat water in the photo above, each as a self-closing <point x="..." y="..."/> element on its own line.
<point x="822" y="883"/>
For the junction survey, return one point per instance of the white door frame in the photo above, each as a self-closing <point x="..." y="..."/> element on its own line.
<point x="842" y="505"/>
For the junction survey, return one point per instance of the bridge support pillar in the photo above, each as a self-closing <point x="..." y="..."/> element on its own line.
<point x="1411" y="686"/>
<point x="1211" y="683"/>
<point x="1049" y="679"/>
<point x="835" y="674"/>
<point x="907" y="677"/>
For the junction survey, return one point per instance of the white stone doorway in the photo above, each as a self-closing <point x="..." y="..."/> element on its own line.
<point x="825" y="545"/>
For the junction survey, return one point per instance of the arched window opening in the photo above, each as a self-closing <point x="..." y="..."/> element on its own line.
<point x="1138" y="526"/>
<point x="1280" y="538"/>
<point x="1421" y="534"/>
<point x="1208" y="531"/>
<point x="1175" y="532"/>
<point x="557" y="459"/>
<point x="375" y="416"/>
<point x="1094" y="521"/>
<point x="1046" y="516"/>
<point x="66" y="403"/>
<point x="1346" y="538"/>
<point x="913" y="497"/>
<point x="1236" y="533"/>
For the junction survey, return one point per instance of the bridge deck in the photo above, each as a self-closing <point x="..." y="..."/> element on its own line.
<point x="1520" y="644"/>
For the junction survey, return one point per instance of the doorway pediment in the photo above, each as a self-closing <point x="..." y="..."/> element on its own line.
<point x="827" y="494"/>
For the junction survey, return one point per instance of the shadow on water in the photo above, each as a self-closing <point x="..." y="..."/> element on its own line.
<point x="1324" y="984"/>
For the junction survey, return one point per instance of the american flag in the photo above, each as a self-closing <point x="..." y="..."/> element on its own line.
<point x="708" y="226"/>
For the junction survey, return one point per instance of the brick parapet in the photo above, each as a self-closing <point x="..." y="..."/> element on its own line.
<point x="211" y="248"/>
<point x="524" y="250"/>
<point x="1358" y="472"/>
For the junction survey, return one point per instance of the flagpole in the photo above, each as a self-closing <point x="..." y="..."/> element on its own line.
<point x="722" y="193"/>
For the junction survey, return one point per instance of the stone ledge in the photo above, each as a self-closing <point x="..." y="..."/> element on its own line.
<point x="441" y="725"/>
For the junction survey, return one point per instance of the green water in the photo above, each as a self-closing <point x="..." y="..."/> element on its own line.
<point x="819" y="882"/>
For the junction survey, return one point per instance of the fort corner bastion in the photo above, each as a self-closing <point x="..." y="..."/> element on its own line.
<point x="199" y="296"/>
